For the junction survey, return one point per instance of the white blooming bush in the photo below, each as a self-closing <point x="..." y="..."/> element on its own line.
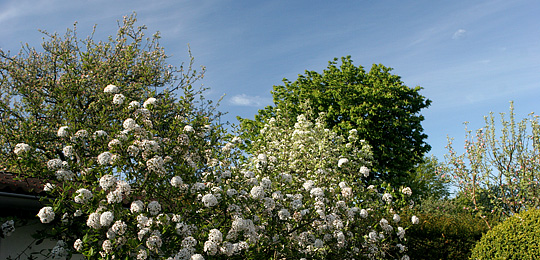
<point x="160" y="187"/>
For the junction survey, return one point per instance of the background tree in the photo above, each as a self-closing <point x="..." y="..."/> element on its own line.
<point x="498" y="171"/>
<point x="385" y="112"/>
<point x="428" y="179"/>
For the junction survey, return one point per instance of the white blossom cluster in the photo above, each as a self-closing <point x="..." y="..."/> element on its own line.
<point x="299" y="190"/>
<point x="21" y="148"/>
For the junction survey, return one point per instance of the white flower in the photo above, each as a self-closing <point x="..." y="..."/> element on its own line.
<point x="396" y="218"/>
<point x="8" y="228"/>
<point x="284" y="214"/>
<point x="81" y="134"/>
<point x="78" y="244"/>
<point x="107" y="246"/>
<point x="148" y="102"/>
<point x="119" y="227"/>
<point x="177" y="182"/>
<point x="134" y="104"/>
<point x="133" y="150"/>
<point x="400" y="232"/>
<point x="346" y="192"/>
<point x="21" y="148"/>
<point x="365" y="171"/>
<point x="308" y="185"/>
<point x="188" y="128"/>
<point x="142" y="255"/>
<point x="94" y="220"/>
<point x="137" y="206"/>
<point x="111" y="89"/>
<point x="123" y="187"/>
<point x="189" y="242"/>
<point x="48" y="187"/>
<point x="46" y="214"/>
<point x="114" y="143"/>
<point x="114" y="197"/>
<point x="197" y="257"/>
<point x="107" y="182"/>
<point x="130" y="124"/>
<point x="156" y="165"/>
<point x="64" y="175"/>
<point x="317" y="192"/>
<point x="387" y="197"/>
<point x="231" y="192"/>
<point x="415" y="220"/>
<point x="215" y="235"/>
<point x="210" y="247"/>
<point x="54" y="164"/>
<point x="407" y="191"/>
<point x="262" y="158"/>
<point x="342" y="161"/>
<point x="68" y="151"/>
<point x="105" y="158"/>
<point x="83" y="195"/>
<point x="373" y="236"/>
<point x="63" y="131"/>
<point x="106" y="218"/>
<point x="363" y="213"/>
<point x="100" y="133"/>
<point x="257" y="192"/>
<point x="118" y="99"/>
<point x="405" y="257"/>
<point x="266" y="183"/>
<point x="209" y="200"/>
<point x="154" y="207"/>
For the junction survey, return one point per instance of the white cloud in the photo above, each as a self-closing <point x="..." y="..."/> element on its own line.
<point x="249" y="101"/>
<point x="459" y="34"/>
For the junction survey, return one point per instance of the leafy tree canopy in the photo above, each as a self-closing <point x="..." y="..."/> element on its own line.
<point x="385" y="112"/>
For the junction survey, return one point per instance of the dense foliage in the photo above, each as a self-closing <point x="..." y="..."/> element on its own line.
<point x="448" y="230"/>
<point x="134" y="172"/>
<point x="517" y="237"/>
<point x="384" y="111"/>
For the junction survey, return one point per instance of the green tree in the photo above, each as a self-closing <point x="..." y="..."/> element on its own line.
<point x="428" y="179"/>
<point x="385" y="112"/>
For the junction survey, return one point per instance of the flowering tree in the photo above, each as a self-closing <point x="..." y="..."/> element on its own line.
<point x="62" y="85"/>
<point x="135" y="194"/>
<point x="499" y="174"/>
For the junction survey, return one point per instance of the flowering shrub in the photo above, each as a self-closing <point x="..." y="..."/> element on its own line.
<point x="149" y="191"/>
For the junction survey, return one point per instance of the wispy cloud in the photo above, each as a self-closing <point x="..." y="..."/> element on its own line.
<point x="459" y="34"/>
<point x="249" y="101"/>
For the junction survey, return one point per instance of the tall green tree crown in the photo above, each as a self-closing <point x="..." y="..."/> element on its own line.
<point x="378" y="104"/>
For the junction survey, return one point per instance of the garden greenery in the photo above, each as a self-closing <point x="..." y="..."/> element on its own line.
<point x="135" y="173"/>
<point x="135" y="194"/>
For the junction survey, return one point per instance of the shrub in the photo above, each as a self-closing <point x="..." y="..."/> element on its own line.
<point x="446" y="231"/>
<point x="516" y="238"/>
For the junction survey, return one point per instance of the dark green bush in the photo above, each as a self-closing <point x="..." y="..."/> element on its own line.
<point x="516" y="238"/>
<point x="446" y="231"/>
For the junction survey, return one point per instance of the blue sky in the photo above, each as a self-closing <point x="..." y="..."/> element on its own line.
<point x="471" y="57"/>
